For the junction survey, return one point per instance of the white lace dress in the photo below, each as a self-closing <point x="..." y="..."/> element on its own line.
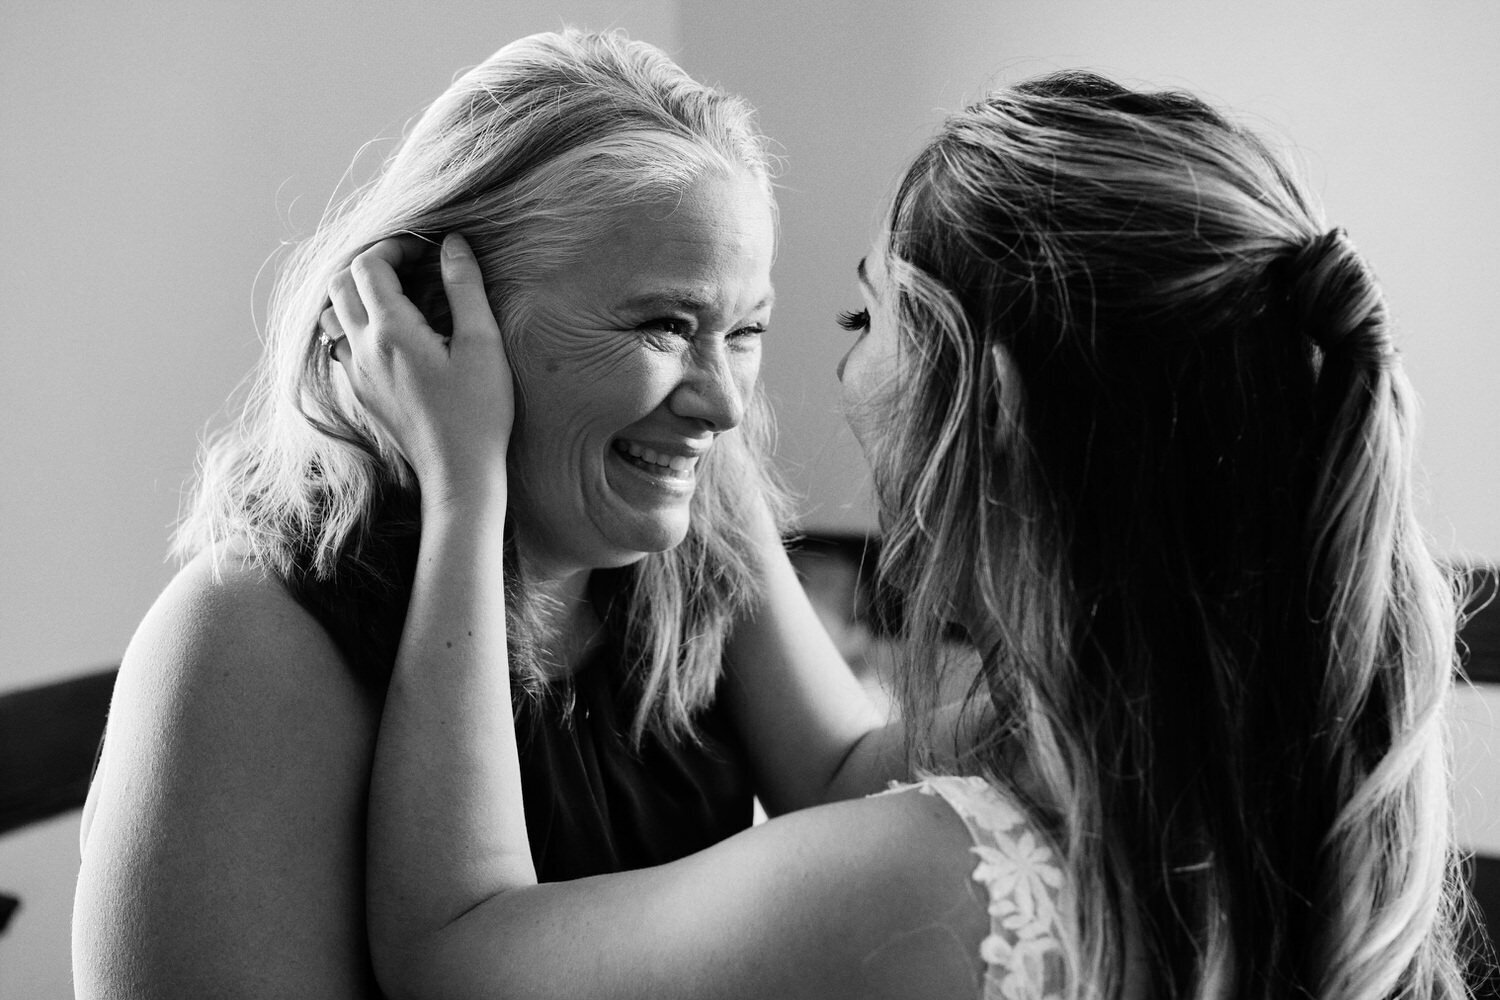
<point x="1023" y="953"/>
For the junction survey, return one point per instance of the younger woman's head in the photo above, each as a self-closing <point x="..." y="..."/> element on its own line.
<point x="1137" y="424"/>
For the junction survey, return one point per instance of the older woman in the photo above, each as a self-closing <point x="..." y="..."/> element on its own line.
<point x="666" y="665"/>
<point x="1138" y="426"/>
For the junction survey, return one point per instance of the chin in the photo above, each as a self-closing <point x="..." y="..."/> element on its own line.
<point x="661" y="541"/>
<point x="643" y="540"/>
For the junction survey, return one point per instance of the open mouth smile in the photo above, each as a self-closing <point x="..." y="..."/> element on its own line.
<point x="659" y="463"/>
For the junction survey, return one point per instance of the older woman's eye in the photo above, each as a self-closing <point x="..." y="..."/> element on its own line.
<point x="753" y="330"/>
<point x="855" y="322"/>
<point x="669" y="325"/>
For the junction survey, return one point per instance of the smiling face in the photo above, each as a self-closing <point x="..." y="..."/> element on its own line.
<point x="867" y="372"/>
<point x="631" y="362"/>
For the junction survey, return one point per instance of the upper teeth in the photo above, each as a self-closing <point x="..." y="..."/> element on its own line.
<point x="677" y="463"/>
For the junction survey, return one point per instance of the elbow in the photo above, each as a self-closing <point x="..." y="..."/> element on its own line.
<point x="402" y="968"/>
<point x="420" y="970"/>
<point x="410" y="965"/>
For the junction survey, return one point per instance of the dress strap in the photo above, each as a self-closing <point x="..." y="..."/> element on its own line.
<point x="1023" y="953"/>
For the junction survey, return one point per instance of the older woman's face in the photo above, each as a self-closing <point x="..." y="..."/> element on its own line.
<point x="634" y="360"/>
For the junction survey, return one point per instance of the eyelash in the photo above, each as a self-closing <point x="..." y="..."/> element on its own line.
<point x="855" y="322"/>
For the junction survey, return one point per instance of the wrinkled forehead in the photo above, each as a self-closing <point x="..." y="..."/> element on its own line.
<point x="728" y="214"/>
<point x="706" y="252"/>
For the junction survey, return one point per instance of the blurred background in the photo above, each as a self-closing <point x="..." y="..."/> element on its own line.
<point x="157" y="155"/>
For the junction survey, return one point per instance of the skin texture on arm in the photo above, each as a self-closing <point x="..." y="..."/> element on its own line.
<point x="813" y="734"/>
<point x="223" y="852"/>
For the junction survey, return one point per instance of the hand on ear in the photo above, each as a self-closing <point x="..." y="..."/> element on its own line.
<point x="446" y="402"/>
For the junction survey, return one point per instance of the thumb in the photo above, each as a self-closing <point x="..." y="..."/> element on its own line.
<point x="464" y="285"/>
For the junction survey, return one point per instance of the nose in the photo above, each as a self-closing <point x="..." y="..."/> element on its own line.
<point x="711" y="391"/>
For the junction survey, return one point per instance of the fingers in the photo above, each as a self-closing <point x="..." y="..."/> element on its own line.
<point x="369" y="285"/>
<point x="366" y="302"/>
<point x="374" y="274"/>
<point x="464" y="285"/>
<point x="395" y="252"/>
<point x="344" y="297"/>
<point x="331" y="333"/>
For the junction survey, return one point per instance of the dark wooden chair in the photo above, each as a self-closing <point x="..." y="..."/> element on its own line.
<point x="1480" y="642"/>
<point x="49" y="739"/>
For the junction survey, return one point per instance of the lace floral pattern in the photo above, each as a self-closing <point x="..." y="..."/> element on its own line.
<point x="1023" y="953"/>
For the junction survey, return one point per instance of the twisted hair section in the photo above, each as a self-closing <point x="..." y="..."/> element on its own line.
<point x="528" y="154"/>
<point x="1151" y="416"/>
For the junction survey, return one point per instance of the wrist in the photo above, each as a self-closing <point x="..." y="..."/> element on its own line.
<point x="468" y="499"/>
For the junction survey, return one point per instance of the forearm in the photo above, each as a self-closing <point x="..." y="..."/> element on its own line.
<point x="882" y="755"/>
<point x="800" y="709"/>
<point x="873" y="761"/>
<point x="447" y="827"/>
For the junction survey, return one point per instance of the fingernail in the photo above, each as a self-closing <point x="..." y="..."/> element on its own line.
<point x="451" y="244"/>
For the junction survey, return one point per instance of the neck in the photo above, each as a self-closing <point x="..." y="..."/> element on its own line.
<point x="569" y="625"/>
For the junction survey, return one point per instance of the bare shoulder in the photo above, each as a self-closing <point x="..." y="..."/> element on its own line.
<point x="226" y="658"/>
<point x="915" y="883"/>
<point x="223" y="846"/>
<point x="867" y="898"/>
<point x="947" y="888"/>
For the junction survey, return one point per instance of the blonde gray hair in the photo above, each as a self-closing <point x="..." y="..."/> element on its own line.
<point x="528" y="155"/>
<point x="1152" y="437"/>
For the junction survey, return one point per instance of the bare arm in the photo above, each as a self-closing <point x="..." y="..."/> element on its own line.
<point x="224" y="853"/>
<point x="864" y="899"/>
<point x="447" y="824"/>
<point x="813" y="733"/>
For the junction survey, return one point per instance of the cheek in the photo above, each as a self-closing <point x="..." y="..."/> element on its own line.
<point x="864" y="391"/>
<point x="851" y="373"/>
<point x="571" y="371"/>
<point x="556" y="354"/>
<point x="747" y="369"/>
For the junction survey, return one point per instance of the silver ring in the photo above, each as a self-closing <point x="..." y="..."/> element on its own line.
<point x="329" y="344"/>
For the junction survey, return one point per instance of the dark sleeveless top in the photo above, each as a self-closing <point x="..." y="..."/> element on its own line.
<point x="596" y="804"/>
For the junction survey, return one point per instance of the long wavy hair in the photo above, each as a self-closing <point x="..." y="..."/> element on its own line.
<point x="528" y="155"/>
<point x="1151" y="442"/>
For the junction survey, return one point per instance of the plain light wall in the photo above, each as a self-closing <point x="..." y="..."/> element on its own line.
<point x="158" y="154"/>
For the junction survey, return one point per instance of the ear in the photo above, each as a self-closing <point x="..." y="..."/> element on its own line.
<point x="422" y="282"/>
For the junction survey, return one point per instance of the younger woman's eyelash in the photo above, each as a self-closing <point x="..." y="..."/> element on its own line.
<point x="855" y="322"/>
